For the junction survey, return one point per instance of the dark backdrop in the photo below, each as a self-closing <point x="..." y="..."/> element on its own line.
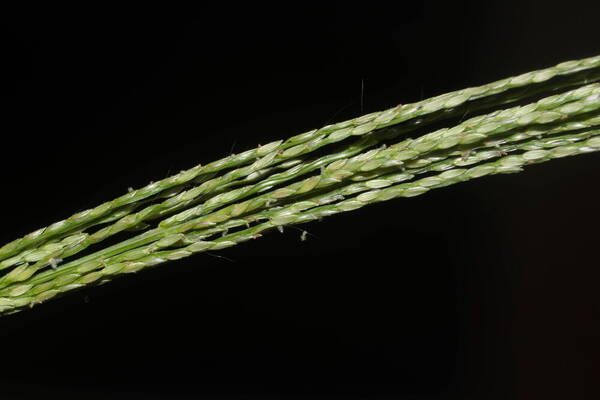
<point x="483" y="290"/>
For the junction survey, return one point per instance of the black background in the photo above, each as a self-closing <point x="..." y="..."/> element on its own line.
<point x="483" y="290"/>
